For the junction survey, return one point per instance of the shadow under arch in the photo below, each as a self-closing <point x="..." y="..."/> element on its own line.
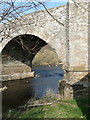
<point x="23" y="48"/>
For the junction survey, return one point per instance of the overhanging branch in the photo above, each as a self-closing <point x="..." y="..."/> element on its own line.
<point x="51" y="14"/>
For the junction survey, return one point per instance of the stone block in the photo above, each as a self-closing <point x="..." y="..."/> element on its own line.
<point x="65" y="90"/>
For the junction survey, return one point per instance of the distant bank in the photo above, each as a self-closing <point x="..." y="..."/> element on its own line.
<point x="46" y="56"/>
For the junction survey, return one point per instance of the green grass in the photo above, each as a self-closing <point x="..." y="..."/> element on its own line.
<point x="55" y="111"/>
<point x="61" y="109"/>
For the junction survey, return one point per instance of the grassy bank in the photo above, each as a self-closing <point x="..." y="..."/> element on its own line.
<point x="46" y="56"/>
<point x="59" y="109"/>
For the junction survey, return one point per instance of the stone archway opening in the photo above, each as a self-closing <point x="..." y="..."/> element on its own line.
<point x="23" y="48"/>
<point x="18" y="53"/>
<point x="47" y="56"/>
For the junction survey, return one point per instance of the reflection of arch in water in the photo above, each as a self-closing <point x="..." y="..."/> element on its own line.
<point x="18" y="93"/>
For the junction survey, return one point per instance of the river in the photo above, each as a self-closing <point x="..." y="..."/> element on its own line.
<point x="20" y="91"/>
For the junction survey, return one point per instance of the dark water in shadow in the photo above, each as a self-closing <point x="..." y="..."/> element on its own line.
<point x="20" y="91"/>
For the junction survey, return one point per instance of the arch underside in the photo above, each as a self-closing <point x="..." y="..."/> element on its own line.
<point x="23" y="48"/>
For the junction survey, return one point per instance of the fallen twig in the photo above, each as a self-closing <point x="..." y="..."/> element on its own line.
<point x="34" y="105"/>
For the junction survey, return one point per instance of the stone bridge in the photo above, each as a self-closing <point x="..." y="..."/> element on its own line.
<point x="34" y="31"/>
<point x="28" y="34"/>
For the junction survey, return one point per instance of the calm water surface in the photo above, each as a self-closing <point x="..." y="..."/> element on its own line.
<point x="20" y="91"/>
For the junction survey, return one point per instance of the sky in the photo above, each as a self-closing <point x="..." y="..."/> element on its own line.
<point x="53" y="3"/>
<point x="48" y="4"/>
<point x="41" y="0"/>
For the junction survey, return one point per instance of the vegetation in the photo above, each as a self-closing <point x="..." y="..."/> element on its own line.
<point x="54" y="108"/>
<point x="59" y="109"/>
<point x="46" y="56"/>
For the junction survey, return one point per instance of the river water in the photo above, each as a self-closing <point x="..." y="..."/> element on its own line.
<point x="20" y="91"/>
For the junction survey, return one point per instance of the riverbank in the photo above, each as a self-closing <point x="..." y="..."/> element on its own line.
<point x="51" y="106"/>
<point x="58" y="109"/>
<point x="46" y="56"/>
<point x="20" y="91"/>
<point x="15" y="68"/>
<point x="18" y="76"/>
<point x="21" y="71"/>
<point x="16" y="72"/>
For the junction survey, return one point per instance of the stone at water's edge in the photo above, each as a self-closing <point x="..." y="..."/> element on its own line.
<point x="2" y="89"/>
<point x="69" y="91"/>
<point x="65" y="90"/>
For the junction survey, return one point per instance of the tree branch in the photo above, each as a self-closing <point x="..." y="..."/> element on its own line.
<point x="51" y="14"/>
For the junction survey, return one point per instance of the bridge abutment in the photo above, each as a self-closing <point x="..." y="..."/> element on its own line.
<point x="76" y="70"/>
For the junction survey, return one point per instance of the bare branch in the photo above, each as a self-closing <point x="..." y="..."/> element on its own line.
<point x="75" y="3"/>
<point x="12" y="11"/>
<point x="51" y="14"/>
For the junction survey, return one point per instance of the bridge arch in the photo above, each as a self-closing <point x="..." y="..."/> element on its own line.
<point x="39" y="32"/>
<point x="50" y="32"/>
<point x="24" y="48"/>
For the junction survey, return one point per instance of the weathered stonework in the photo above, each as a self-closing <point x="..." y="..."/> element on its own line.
<point x="65" y="90"/>
<point x="40" y="24"/>
<point x="78" y="39"/>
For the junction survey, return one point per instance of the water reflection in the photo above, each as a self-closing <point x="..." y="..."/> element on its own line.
<point x="18" y="93"/>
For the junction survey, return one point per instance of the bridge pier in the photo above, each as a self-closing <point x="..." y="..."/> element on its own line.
<point x="76" y="71"/>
